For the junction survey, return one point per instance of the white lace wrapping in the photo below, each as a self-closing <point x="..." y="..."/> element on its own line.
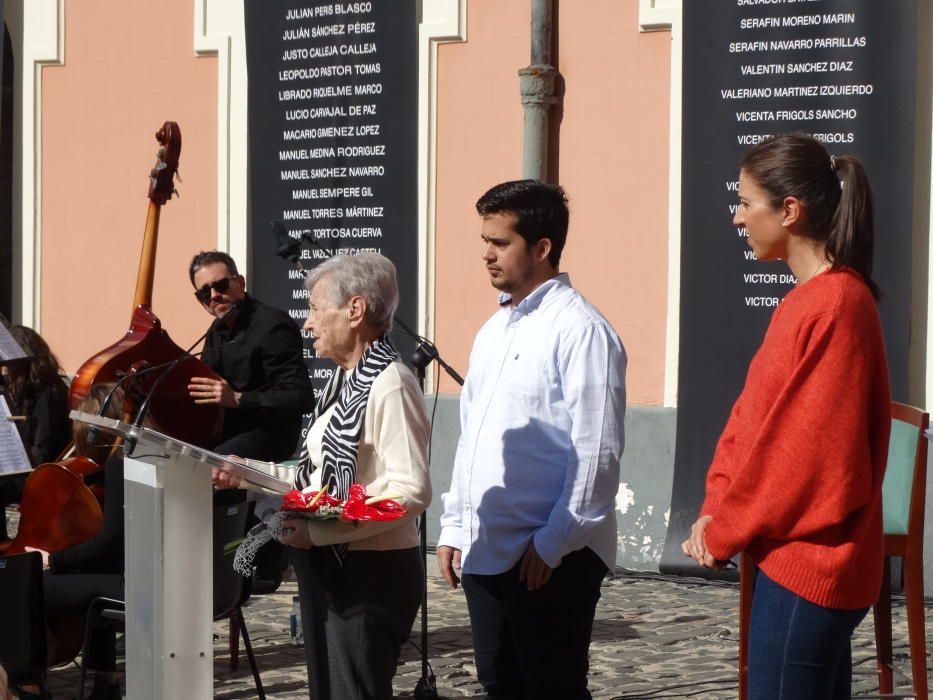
<point x="256" y="538"/>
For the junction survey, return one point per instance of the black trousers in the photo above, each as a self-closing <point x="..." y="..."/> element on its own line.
<point x="258" y="444"/>
<point x="534" y="645"/>
<point x="69" y="595"/>
<point x="356" y="617"/>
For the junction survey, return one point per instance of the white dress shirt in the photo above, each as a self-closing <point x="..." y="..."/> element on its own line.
<point x="542" y="435"/>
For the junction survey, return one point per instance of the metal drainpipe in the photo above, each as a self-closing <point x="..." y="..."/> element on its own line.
<point x="536" y="83"/>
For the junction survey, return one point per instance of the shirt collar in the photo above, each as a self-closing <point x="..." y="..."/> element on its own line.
<point x="537" y="297"/>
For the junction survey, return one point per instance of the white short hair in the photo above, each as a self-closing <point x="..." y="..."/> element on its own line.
<point x="368" y="275"/>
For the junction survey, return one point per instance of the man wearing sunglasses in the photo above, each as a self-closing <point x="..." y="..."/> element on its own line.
<point x="257" y="351"/>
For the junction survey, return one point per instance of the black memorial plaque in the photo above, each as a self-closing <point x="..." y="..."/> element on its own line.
<point x="333" y="123"/>
<point x="841" y="70"/>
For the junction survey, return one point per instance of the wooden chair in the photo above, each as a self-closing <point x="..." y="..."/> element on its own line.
<point x="747" y="571"/>
<point x="904" y="496"/>
<point x="230" y="589"/>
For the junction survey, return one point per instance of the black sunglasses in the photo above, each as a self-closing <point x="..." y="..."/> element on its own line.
<point x="222" y="285"/>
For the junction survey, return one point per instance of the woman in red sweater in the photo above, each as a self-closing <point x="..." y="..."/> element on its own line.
<point x="796" y="478"/>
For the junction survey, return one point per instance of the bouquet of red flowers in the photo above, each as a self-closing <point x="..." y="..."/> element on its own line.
<point x="320" y="505"/>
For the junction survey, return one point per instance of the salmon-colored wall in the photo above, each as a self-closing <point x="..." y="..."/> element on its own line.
<point x="129" y="66"/>
<point x="613" y="163"/>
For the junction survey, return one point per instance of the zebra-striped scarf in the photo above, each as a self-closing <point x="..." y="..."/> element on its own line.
<point x="341" y="442"/>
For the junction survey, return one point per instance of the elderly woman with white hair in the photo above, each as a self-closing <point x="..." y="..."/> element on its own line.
<point x="360" y="584"/>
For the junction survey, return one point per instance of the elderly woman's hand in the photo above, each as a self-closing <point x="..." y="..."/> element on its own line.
<point x="224" y="479"/>
<point x="296" y="533"/>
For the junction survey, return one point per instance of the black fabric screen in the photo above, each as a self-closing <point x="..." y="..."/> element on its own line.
<point x="333" y="101"/>
<point x="751" y="69"/>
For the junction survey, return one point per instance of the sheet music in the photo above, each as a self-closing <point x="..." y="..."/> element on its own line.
<point x="13" y="457"/>
<point x="9" y="348"/>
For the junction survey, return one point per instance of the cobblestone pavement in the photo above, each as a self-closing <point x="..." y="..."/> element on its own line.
<point x="653" y="638"/>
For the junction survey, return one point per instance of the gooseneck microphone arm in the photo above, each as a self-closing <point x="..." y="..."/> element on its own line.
<point x="426" y="352"/>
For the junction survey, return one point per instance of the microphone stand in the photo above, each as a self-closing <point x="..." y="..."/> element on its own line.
<point x="425" y="353"/>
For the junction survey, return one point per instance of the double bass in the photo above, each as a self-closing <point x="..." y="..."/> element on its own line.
<point x="146" y="342"/>
<point x="57" y="510"/>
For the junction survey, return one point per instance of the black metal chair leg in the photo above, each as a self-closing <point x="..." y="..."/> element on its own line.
<point x="249" y="653"/>
<point x="89" y="624"/>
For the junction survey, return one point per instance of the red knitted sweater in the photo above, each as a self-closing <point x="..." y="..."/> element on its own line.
<point x="796" y="477"/>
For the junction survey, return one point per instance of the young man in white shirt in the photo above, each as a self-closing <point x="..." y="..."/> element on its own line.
<point x="530" y="515"/>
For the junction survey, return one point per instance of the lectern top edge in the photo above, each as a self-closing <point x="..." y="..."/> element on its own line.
<point x="145" y="439"/>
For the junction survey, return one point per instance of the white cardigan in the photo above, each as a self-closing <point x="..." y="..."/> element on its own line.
<point x="392" y="459"/>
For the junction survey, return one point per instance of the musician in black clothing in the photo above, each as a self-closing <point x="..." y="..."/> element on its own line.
<point x="37" y="394"/>
<point x="265" y="387"/>
<point x="35" y="388"/>
<point x="77" y="575"/>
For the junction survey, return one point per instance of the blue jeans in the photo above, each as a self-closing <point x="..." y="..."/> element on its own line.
<point x="798" y="650"/>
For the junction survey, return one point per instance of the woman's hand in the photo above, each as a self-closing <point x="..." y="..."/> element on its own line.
<point x="224" y="479"/>
<point x="695" y="547"/>
<point x="296" y="533"/>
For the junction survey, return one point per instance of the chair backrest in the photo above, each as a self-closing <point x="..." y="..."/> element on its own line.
<point x="229" y="528"/>
<point x="904" y="489"/>
<point x="22" y="612"/>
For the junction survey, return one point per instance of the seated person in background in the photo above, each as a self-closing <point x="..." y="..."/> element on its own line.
<point x="35" y="389"/>
<point x="266" y="389"/>
<point x="257" y="351"/>
<point x="360" y="584"/>
<point x="77" y="575"/>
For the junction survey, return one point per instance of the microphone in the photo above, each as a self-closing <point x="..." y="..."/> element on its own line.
<point x="228" y="318"/>
<point x="287" y="248"/>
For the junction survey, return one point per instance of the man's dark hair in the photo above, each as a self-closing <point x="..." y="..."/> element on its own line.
<point x="540" y="211"/>
<point x="210" y="257"/>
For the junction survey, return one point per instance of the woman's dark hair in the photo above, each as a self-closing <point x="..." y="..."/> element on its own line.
<point x="540" y="211"/>
<point x="834" y="190"/>
<point x="26" y="379"/>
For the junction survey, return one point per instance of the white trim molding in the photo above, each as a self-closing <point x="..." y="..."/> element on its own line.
<point x="220" y="30"/>
<point x="442" y="22"/>
<point x="658" y="15"/>
<point x="37" y="32"/>
<point x="672" y="345"/>
<point x="654" y="16"/>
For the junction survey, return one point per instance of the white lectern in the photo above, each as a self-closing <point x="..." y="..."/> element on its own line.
<point x="169" y="577"/>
